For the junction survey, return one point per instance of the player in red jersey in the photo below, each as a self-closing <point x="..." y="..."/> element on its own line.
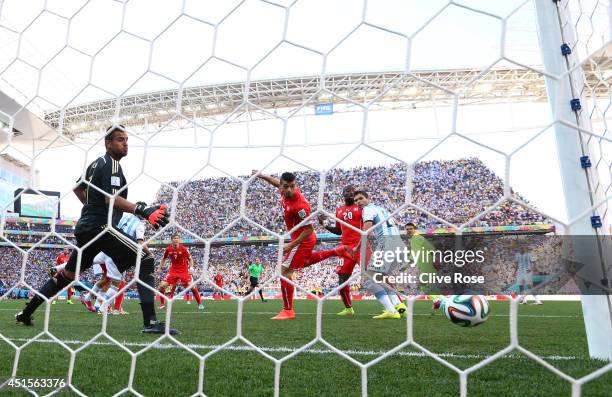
<point x="349" y="213"/>
<point x="60" y="263"/>
<point x="218" y="279"/>
<point x="298" y="252"/>
<point x="181" y="265"/>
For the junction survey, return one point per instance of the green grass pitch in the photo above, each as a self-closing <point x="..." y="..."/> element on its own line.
<point x="554" y="331"/>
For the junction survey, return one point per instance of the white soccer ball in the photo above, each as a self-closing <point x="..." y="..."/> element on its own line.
<point x="466" y="310"/>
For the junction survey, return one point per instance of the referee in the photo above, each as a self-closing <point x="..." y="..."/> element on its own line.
<point x="255" y="270"/>
<point x="103" y="178"/>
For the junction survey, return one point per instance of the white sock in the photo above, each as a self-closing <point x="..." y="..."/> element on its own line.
<point x="386" y="302"/>
<point x="394" y="299"/>
<point x="109" y="295"/>
<point x="94" y="290"/>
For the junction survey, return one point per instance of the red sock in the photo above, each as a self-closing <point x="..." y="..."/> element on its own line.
<point x="196" y="295"/>
<point x="69" y="293"/>
<point x="119" y="298"/>
<point x="171" y="294"/>
<point x="287" y="292"/>
<point x="345" y="294"/>
<point x="318" y="256"/>
<point x="162" y="297"/>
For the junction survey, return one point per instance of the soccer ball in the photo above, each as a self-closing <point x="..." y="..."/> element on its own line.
<point x="466" y="310"/>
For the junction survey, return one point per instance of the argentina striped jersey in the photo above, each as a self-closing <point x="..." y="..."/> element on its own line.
<point x="377" y="215"/>
<point x="132" y="226"/>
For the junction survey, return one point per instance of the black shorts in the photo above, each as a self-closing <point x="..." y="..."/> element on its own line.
<point x="254" y="281"/>
<point x="122" y="249"/>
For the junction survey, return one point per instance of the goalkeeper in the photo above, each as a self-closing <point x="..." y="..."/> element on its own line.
<point x="105" y="178"/>
<point x="426" y="264"/>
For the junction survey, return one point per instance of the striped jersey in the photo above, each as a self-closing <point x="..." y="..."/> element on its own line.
<point x="375" y="214"/>
<point x="524" y="260"/>
<point x="132" y="226"/>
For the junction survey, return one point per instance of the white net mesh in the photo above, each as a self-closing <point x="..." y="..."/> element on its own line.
<point x="201" y="88"/>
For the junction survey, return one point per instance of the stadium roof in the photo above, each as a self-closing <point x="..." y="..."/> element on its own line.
<point x="389" y="89"/>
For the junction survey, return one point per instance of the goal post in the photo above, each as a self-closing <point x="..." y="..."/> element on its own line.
<point x="579" y="195"/>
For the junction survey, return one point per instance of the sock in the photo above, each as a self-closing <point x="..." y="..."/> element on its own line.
<point x="394" y="298"/>
<point x="261" y="295"/>
<point x="147" y="300"/>
<point x="162" y="298"/>
<point x="98" y="302"/>
<point x="345" y="294"/>
<point x="50" y="288"/>
<point x="287" y="292"/>
<point x="69" y="292"/>
<point x="108" y="296"/>
<point x="94" y="290"/>
<point x="148" y="313"/>
<point x="171" y="294"/>
<point x="196" y="295"/>
<point x="319" y="256"/>
<point x="120" y="297"/>
<point x="386" y="302"/>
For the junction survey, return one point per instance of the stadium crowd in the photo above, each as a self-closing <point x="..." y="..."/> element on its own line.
<point x="455" y="190"/>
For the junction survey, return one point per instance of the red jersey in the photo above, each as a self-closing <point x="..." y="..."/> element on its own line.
<point x="350" y="214"/>
<point x="218" y="279"/>
<point x="295" y="210"/>
<point x="179" y="259"/>
<point x="62" y="258"/>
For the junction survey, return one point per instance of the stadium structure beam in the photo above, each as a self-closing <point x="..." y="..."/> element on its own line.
<point x="395" y="89"/>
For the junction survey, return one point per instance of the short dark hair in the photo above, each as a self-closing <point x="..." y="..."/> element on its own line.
<point x="287" y="177"/>
<point x="110" y="131"/>
<point x="362" y="192"/>
<point x="174" y="235"/>
<point x="410" y="224"/>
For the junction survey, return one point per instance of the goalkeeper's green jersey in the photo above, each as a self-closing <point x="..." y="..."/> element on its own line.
<point x="420" y="243"/>
<point x="255" y="269"/>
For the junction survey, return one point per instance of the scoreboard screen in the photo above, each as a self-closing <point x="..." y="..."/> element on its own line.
<point x="41" y="204"/>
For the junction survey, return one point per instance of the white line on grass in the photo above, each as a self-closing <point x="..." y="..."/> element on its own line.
<point x="283" y="349"/>
<point x="325" y="314"/>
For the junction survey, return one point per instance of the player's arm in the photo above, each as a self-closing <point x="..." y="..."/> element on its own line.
<point x="163" y="261"/>
<point x="270" y="179"/>
<point x="306" y="231"/>
<point x="190" y="261"/>
<point x="332" y="229"/>
<point x="80" y="193"/>
<point x="367" y="216"/>
<point x="104" y="179"/>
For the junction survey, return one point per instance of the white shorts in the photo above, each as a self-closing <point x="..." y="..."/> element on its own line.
<point x="524" y="278"/>
<point x="60" y="267"/>
<point x="103" y="264"/>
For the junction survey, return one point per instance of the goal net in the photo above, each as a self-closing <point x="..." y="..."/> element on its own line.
<point x="463" y="118"/>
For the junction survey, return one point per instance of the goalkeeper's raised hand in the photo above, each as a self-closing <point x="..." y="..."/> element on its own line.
<point x="156" y="215"/>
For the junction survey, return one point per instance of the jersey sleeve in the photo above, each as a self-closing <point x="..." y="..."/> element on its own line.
<point x="58" y="261"/>
<point x="140" y="231"/>
<point x="166" y="254"/>
<point x="89" y="174"/>
<point x="302" y="211"/>
<point x="368" y="214"/>
<point x="186" y="253"/>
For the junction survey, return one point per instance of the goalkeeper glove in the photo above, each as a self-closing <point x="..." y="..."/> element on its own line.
<point x="156" y="215"/>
